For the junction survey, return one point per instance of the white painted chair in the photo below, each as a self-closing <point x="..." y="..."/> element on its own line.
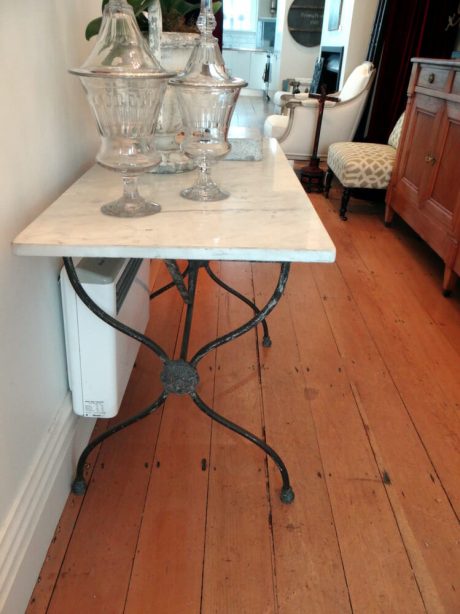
<point x="296" y="131"/>
<point x="281" y="98"/>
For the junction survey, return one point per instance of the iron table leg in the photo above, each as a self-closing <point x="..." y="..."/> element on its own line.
<point x="181" y="376"/>
<point x="266" y="341"/>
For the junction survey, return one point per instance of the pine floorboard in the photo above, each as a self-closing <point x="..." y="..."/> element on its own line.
<point x="360" y="396"/>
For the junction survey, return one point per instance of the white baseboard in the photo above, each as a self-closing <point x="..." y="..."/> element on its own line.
<point x="34" y="515"/>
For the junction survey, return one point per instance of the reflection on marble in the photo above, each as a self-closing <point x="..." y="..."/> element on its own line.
<point x="268" y="217"/>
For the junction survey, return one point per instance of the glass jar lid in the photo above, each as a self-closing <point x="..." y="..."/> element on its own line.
<point x="120" y="50"/>
<point x="206" y="68"/>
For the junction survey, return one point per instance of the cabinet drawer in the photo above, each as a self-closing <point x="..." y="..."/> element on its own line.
<point x="433" y="77"/>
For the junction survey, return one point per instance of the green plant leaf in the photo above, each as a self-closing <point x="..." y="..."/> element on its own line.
<point x="93" y="28"/>
<point x="180" y="6"/>
<point x="137" y="6"/>
<point x="170" y="9"/>
<point x="145" y="5"/>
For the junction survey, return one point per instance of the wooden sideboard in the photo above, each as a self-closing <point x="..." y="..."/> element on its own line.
<point x="425" y="185"/>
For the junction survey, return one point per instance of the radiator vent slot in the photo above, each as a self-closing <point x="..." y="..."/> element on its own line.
<point x="126" y="279"/>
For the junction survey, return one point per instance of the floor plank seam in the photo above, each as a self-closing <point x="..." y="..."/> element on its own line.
<point x="267" y="471"/>
<point x="324" y="472"/>
<point x="378" y="458"/>
<point x="210" y="463"/>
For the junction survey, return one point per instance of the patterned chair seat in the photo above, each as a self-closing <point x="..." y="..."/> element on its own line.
<point x="362" y="165"/>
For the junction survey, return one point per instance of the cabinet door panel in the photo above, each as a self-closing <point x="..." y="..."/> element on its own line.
<point x="446" y="180"/>
<point x="420" y="144"/>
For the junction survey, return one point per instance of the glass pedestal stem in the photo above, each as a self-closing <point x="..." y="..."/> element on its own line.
<point x="131" y="204"/>
<point x="130" y="188"/>
<point x="204" y="188"/>
<point x="204" y="177"/>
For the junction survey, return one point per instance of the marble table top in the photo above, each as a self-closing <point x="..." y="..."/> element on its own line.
<point x="268" y="217"/>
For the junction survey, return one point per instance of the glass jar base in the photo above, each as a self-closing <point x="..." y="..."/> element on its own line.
<point x="124" y="208"/>
<point x="204" y="193"/>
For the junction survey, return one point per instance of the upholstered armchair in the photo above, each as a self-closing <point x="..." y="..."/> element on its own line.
<point x="362" y="166"/>
<point x="296" y="131"/>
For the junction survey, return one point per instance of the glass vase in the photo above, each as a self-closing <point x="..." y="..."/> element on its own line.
<point x="125" y="86"/>
<point x="207" y="98"/>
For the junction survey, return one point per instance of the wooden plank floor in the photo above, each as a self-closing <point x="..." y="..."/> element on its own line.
<point x="359" y="394"/>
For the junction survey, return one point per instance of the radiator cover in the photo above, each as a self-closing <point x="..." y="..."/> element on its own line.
<point x="99" y="358"/>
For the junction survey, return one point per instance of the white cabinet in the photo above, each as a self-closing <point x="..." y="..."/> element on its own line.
<point x="238" y="63"/>
<point x="246" y="64"/>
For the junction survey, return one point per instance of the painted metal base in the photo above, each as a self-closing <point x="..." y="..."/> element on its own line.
<point x="181" y="376"/>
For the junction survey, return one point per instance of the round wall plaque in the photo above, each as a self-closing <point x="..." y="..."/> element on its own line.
<point x="305" y="21"/>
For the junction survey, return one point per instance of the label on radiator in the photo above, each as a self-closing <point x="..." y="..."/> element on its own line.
<point x="94" y="409"/>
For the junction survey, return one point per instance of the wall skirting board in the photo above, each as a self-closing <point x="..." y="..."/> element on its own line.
<point x="34" y="515"/>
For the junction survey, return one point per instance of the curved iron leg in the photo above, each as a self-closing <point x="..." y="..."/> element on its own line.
<point x="105" y="317"/>
<point x="168" y="286"/>
<point x="79" y="483"/>
<point x="287" y="494"/>
<point x="263" y="313"/>
<point x="267" y="342"/>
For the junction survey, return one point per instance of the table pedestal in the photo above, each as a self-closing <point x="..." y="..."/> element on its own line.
<point x="180" y="376"/>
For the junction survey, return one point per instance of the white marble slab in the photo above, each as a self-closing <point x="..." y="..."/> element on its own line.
<point x="268" y="217"/>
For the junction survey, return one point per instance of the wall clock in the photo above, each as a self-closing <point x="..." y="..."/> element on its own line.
<point x="305" y="21"/>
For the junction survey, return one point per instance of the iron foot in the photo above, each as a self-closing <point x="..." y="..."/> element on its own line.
<point x="267" y="342"/>
<point x="79" y="486"/>
<point x="287" y="495"/>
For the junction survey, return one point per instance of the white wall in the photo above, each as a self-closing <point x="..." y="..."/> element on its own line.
<point x="291" y="59"/>
<point x="48" y="140"/>
<point x="263" y="8"/>
<point x="354" y="32"/>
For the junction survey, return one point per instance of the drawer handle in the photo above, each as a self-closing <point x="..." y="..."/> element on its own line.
<point x="431" y="77"/>
<point x="430" y="159"/>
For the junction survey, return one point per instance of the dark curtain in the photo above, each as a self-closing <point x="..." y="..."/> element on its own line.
<point x="413" y="28"/>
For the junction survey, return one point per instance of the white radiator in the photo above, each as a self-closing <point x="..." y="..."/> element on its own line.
<point x="99" y="358"/>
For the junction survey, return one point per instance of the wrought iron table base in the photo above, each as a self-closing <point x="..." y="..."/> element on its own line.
<point x="180" y="376"/>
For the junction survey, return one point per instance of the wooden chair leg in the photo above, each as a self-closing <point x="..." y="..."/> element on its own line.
<point x="344" y="204"/>
<point x="328" y="181"/>
<point x="450" y="278"/>
<point x="389" y="214"/>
